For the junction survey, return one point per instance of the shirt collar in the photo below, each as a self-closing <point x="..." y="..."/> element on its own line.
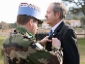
<point x="53" y="28"/>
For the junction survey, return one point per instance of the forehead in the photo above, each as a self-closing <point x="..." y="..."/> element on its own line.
<point x="50" y="7"/>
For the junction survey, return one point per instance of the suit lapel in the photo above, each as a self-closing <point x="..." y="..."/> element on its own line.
<point x="54" y="34"/>
<point x="57" y="30"/>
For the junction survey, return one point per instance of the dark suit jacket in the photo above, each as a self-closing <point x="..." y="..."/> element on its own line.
<point x="68" y="42"/>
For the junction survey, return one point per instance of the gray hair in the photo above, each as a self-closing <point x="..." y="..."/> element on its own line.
<point x="59" y="7"/>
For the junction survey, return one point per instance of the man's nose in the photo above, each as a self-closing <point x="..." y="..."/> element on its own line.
<point x="37" y="28"/>
<point x="45" y="15"/>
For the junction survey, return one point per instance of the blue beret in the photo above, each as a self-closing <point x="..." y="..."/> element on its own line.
<point x="29" y="9"/>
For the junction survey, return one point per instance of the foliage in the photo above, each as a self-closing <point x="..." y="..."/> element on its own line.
<point x="75" y="18"/>
<point x="82" y="21"/>
<point x="4" y="25"/>
<point x="0" y="26"/>
<point x="67" y="22"/>
<point x="12" y="25"/>
<point x="78" y="6"/>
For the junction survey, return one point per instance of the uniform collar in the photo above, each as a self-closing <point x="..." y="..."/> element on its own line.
<point x="23" y="31"/>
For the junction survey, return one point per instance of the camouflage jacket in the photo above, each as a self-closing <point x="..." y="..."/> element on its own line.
<point x="18" y="49"/>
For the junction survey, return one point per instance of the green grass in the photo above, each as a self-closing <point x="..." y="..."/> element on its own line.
<point x="79" y="28"/>
<point x="81" y="47"/>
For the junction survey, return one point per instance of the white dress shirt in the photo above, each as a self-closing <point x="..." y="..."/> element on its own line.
<point x="54" y="27"/>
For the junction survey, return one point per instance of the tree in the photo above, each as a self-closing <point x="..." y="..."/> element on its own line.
<point x="75" y="18"/>
<point x="12" y="25"/>
<point x="82" y="21"/>
<point x="78" y="6"/>
<point x="4" y="25"/>
<point x="67" y="22"/>
<point x="0" y="26"/>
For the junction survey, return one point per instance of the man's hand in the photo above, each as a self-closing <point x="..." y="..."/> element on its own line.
<point x="56" y="43"/>
<point x="44" y="40"/>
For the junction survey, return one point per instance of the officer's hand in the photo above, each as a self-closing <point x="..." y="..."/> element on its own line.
<point x="44" y="40"/>
<point x="56" y="43"/>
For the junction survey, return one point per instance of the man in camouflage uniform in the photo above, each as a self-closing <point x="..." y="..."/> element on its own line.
<point x="21" y="47"/>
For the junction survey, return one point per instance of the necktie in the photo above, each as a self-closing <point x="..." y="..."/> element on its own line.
<point x="50" y="32"/>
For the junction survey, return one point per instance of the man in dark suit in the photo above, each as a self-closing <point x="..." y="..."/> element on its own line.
<point x="55" y="18"/>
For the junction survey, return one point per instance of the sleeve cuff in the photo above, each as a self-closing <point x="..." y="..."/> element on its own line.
<point x="39" y="46"/>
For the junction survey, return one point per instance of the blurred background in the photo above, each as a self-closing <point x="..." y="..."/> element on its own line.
<point x="75" y="17"/>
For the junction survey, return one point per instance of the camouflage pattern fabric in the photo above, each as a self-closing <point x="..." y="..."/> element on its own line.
<point x="17" y="50"/>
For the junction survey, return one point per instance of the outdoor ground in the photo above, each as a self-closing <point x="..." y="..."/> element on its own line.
<point x="81" y="46"/>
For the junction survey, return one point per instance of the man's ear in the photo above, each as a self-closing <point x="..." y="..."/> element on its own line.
<point x="58" y="14"/>
<point x="31" y="22"/>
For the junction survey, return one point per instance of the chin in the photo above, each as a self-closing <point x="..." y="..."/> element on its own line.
<point x="34" y="33"/>
<point x="48" y="22"/>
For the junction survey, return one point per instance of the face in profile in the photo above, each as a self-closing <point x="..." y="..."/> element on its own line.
<point x="32" y="26"/>
<point x="50" y="17"/>
<point x="35" y="27"/>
